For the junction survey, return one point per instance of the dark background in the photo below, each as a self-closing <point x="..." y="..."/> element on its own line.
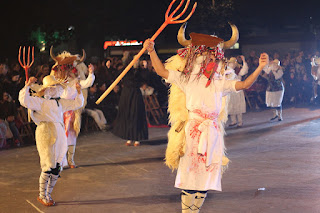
<point x="96" y="21"/>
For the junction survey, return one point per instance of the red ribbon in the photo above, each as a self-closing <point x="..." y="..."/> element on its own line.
<point x="210" y="70"/>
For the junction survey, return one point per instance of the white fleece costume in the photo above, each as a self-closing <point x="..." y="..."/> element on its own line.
<point x="51" y="142"/>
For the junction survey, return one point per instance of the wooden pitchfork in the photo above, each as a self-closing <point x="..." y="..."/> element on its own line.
<point x="169" y="19"/>
<point x="26" y="66"/>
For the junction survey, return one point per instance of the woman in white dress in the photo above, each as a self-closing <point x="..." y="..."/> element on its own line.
<point x="202" y="82"/>
<point x="237" y="102"/>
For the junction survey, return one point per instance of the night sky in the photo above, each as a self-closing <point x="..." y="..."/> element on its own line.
<point x="95" y="21"/>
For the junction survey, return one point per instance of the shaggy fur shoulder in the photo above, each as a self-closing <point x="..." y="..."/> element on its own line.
<point x="177" y="118"/>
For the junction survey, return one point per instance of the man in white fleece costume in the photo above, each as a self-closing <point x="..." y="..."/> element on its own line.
<point x="71" y="69"/>
<point x="196" y="145"/>
<point x="47" y="112"/>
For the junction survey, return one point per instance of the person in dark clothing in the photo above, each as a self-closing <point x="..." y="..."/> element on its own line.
<point x="9" y="114"/>
<point x="13" y="86"/>
<point x="306" y="89"/>
<point x="4" y="69"/>
<point x="131" y="123"/>
<point x="109" y="106"/>
<point x="291" y="88"/>
<point x="106" y="73"/>
<point x="92" y="109"/>
<point x="3" y="128"/>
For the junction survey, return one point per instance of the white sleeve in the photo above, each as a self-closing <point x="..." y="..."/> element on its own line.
<point x="174" y="77"/>
<point x="244" y="69"/>
<point x="88" y="82"/>
<point x="229" y="86"/>
<point x="30" y="102"/>
<point x="69" y="92"/>
<point x="72" y="104"/>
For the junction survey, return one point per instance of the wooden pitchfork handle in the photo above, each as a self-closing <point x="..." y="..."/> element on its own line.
<point x="169" y="19"/>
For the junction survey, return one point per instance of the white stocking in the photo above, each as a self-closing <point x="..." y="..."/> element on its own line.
<point x="43" y="182"/>
<point x="71" y="151"/>
<point x="198" y="201"/>
<point x="187" y="201"/>
<point x="52" y="182"/>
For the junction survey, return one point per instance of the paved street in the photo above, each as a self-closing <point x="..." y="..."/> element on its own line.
<point x="282" y="159"/>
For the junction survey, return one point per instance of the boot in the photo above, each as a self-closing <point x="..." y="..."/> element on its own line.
<point x="52" y="182"/>
<point x="136" y="143"/>
<point x="198" y="202"/>
<point x="70" y="154"/>
<point x="43" y="183"/>
<point x="187" y="201"/>
<point x="275" y="115"/>
<point x="280" y="115"/>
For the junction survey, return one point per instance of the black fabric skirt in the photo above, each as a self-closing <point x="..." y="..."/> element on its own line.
<point x="131" y="123"/>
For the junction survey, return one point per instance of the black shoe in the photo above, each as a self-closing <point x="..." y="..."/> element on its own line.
<point x="275" y="117"/>
<point x="232" y="124"/>
<point x="280" y="119"/>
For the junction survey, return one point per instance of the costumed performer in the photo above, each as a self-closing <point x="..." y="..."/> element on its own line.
<point x="72" y="69"/>
<point x="275" y="89"/>
<point x="237" y="102"/>
<point x="196" y="145"/>
<point x="47" y="112"/>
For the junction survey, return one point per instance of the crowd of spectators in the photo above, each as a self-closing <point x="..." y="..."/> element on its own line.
<point x="298" y="81"/>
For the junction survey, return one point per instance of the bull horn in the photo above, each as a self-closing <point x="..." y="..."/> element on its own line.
<point x="234" y="38"/>
<point x="181" y="36"/>
<point x="83" y="56"/>
<point x="52" y="55"/>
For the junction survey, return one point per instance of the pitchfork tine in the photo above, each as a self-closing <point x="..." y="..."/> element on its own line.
<point x="187" y="18"/>
<point x="184" y="10"/>
<point x="178" y="7"/>
<point x="28" y="61"/>
<point x="24" y="56"/>
<point x="20" y="56"/>
<point x="169" y="8"/>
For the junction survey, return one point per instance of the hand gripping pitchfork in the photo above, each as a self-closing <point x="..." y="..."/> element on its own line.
<point x="169" y="19"/>
<point x="24" y="65"/>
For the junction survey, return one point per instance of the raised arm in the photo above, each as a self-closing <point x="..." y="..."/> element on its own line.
<point x="90" y="79"/>
<point x="27" y="101"/>
<point x="246" y="84"/>
<point x="244" y="70"/>
<point x="156" y="62"/>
